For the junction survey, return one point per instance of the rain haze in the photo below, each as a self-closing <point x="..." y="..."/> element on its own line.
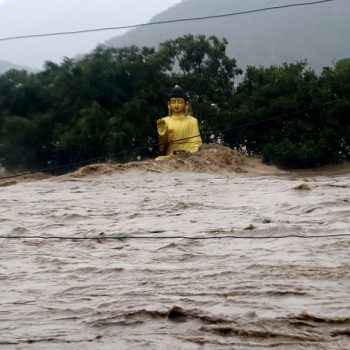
<point x="104" y="246"/>
<point x="23" y="17"/>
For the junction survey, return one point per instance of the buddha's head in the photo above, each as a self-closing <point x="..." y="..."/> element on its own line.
<point x="177" y="101"/>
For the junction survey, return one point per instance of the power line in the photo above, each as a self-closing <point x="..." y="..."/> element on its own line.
<point x="164" y="22"/>
<point x="281" y="116"/>
<point x="195" y="238"/>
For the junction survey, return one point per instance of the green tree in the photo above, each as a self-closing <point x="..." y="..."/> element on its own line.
<point x="108" y="101"/>
<point x="85" y="138"/>
<point x="267" y="102"/>
<point x="200" y="64"/>
<point x="335" y="86"/>
<point x="18" y="143"/>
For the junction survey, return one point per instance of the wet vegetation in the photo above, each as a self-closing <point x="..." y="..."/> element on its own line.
<point x="108" y="101"/>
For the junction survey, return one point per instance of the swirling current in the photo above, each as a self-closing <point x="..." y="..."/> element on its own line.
<point x="277" y="292"/>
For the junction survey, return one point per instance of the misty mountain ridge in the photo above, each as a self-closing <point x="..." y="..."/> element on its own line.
<point x="5" y="66"/>
<point x="318" y="33"/>
<point x="22" y="17"/>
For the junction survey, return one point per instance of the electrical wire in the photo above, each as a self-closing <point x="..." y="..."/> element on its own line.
<point x="281" y="116"/>
<point x="164" y="22"/>
<point x="126" y="237"/>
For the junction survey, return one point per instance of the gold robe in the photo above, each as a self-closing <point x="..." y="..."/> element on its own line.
<point x="178" y="134"/>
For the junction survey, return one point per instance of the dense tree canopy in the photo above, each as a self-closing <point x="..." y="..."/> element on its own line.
<point x="305" y="124"/>
<point x="108" y="102"/>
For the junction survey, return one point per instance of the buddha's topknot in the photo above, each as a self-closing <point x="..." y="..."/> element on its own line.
<point x="178" y="91"/>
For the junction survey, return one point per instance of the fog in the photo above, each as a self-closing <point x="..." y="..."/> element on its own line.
<point x="23" y="17"/>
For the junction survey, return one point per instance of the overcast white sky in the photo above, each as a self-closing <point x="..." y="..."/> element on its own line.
<point x="21" y="17"/>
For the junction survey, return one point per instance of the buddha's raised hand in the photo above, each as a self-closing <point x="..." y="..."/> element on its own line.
<point x="162" y="127"/>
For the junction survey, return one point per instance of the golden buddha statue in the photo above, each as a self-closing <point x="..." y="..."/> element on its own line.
<point x="178" y="132"/>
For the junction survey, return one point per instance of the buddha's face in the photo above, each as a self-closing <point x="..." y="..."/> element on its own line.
<point x="177" y="105"/>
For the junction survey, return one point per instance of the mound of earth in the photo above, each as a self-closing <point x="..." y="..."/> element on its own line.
<point x="211" y="158"/>
<point x="9" y="179"/>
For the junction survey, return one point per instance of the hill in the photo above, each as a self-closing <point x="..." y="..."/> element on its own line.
<point x="5" y="66"/>
<point x="21" y="17"/>
<point x="318" y="33"/>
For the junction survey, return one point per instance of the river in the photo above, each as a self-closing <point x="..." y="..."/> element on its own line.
<point x="176" y="260"/>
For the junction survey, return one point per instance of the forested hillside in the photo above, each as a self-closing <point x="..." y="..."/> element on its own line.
<point x="318" y="33"/>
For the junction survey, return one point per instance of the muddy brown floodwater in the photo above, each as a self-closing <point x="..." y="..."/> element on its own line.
<point x="154" y="290"/>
